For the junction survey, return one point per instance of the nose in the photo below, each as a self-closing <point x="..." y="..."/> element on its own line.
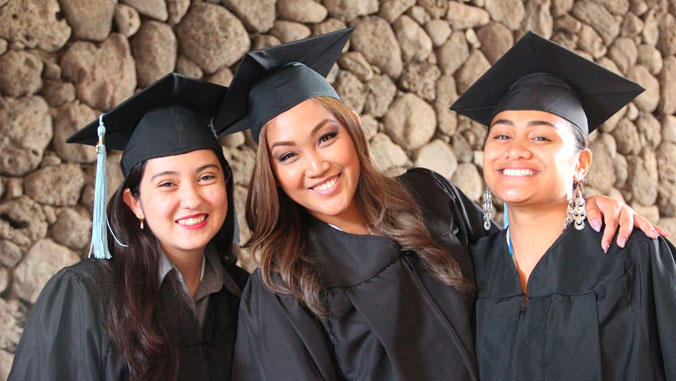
<point x="316" y="165"/>
<point x="518" y="149"/>
<point x="190" y="196"/>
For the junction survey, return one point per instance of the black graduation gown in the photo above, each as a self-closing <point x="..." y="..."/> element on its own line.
<point x="66" y="337"/>
<point x="589" y="316"/>
<point x="388" y="318"/>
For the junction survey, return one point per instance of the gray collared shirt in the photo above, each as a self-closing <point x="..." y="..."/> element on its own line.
<point x="215" y="278"/>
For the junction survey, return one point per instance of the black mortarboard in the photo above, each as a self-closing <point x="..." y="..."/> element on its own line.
<point x="172" y="116"/>
<point x="273" y="80"/>
<point x="169" y="117"/>
<point x="538" y="74"/>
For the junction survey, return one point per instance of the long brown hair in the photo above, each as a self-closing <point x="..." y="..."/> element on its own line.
<point x="135" y="321"/>
<point x="276" y="222"/>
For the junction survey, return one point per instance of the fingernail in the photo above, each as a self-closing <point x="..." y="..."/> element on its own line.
<point x="596" y="224"/>
<point x="622" y="242"/>
<point x="606" y="246"/>
<point x="655" y="233"/>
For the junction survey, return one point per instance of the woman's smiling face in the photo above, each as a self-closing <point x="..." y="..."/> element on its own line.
<point x="530" y="157"/>
<point x="314" y="160"/>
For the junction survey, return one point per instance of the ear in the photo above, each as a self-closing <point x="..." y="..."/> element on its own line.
<point x="584" y="161"/>
<point x="133" y="203"/>
<point x="356" y="115"/>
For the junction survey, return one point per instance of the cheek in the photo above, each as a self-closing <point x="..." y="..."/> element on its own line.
<point x="289" y="176"/>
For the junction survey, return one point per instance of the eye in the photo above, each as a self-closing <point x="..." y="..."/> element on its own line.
<point x="207" y="177"/>
<point x="165" y="184"/>
<point x="285" y="157"/>
<point x="326" y="137"/>
<point x="501" y="137"/>
<point x="541" y="139"/>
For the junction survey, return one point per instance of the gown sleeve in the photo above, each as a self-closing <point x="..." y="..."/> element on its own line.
<point x="663" y="268"/>
<point x="278" y="340"/>
<point x="64" y="338"/>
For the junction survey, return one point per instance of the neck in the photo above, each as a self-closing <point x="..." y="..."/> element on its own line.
<point x="189" y="265"/>
<point x="349" y="221"/>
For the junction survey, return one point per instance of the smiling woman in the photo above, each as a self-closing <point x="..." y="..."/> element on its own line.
<point x="164" y="305"/>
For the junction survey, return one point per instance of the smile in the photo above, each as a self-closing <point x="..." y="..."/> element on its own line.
<point x="326" y="186"/>
<point x="193" y="221"/>
<point x="517" y="172"/>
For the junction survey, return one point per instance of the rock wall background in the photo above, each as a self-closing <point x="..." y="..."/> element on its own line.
<point x="64" y="62"/>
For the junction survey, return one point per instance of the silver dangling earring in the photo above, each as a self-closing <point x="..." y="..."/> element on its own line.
<point x="487" y="207"/>
<point x="576" y="211"/>
<point x="141" y="224"/>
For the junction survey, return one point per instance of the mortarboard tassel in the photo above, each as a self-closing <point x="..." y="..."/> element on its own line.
<point x="99" y="234"/>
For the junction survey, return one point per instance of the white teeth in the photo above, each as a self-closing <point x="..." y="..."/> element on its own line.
<point x="326" y="185"/>
<point x="192" y="221"/>
<point x="518" y="172"/>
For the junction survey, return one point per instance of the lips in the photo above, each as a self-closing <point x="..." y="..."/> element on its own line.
<point x="517" y="172"/>
<point x="327" y="185"/>
<point x="192" y="221"/>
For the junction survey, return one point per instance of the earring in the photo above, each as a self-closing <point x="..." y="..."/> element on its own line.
<point x="576" y="211"/>
<point x="487" y="207"/>
<point x="141" y="224"/>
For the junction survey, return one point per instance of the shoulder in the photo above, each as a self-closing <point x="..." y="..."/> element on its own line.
<point x="89" y="274"/>
<point x="425" y="182"/>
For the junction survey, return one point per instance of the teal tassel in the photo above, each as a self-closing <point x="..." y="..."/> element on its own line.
<point x="99" y="243"/>
<point x="506" y="215"/>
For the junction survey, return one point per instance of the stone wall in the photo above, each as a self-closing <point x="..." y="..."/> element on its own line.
<point x="63" y="62"/>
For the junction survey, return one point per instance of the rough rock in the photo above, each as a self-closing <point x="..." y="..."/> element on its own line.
<point x="651" y="58"/>
<point x="418" y="14"/>
<point x="561" y="7"/>
<point x="438" y="30"/>
<point x="667" y="39"/>
<point x="288" y="31"/>
<point x="650" y="212"/>
<point x="668" y="83"/>
<point x="650" y="98"/>
<point x="591" y="42"/>
<point x="127" y="19"/>
<point x="351" y="91"/>
<point x="114" y="179"/>
<point x="390" y="10"/>
<point x="568" y="23"/>
<point x="414" y="42"/>
<point x="566" y="39"/>
<point x="186" y="66"/>
<point x="257" y="15"/>
<point x="348" y="10"/>
<point x="471" y="70"/>
<point x="374" y="38"/>
<point x="495" y="40"/>
<point x="435" y="8"/>
<point x="669" y="128"/>
<point x="303" y="11"/>
<point x="26" y="130"/>
<point x="212" y="36"/>
<point x="651" y="31"/>
<point x="6" y="359"/>
<point x="242" y="162"/>
<point x="468" y="179"/>
<point x="643" y="182"/>
<point x="263" y="41"/>
<point x="50" y="159"/>
<point x="437" y="156"/>
<point x="410" y="121"/>
<point x="508" y="12"/>
<point x="594" y="14"/>
<point x="538" y="18"/>
<point x="34" y="24"/>
<point x="462" y="149"/>
<point x="3" y="46"/>
<point x="11" y="253"/>
<point x="669" y="223"/>
<point x="453" y="53"/>
<point x="59" y="186"/>
<point x="474" y="132"/>
<point x="154" y="47"/>
<point x="333" y="74"/>
<point x="624" y="53"/>
<point x="462" y="16"/>
<point x="666" y="190"/>
<point x="22" y="221"/>
<point x="72" y="228"/>
<point x="14" y="188"/>
<point x="42" y="261"/>
<point x="233" y="140"/>
<point x="67" y="121"/>
<point x="649" y="128"/>
<point x="420" y="78"/>
<point x="4" y="282"/>
<point x="90" y="19"/>
<point x="385" y="153"/>
<point x="13" y="316"/>
<point x="330" y="25"/>
<point x="20" y="74"/>
<point x="627" y="137"/>
<point x="618" y="7"/>
<point x="156" y="9"/>
<point x="632" y="25"/>
<point x="601" y="175"/>
<point x="446" y="94"/>
<point x="381" y="92"/>
<point x="369" y="125"/>
<point x="176" y="9"/>
<point x="57" y="92"/>
<point x="357" y="65"/>
<point x="621" y="170"/>
<point x="103" y="76"/>
<point x="222" y="77"/>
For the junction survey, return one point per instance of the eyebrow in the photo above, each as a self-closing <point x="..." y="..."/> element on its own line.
<point x="314" y="131"/>
<point x="173" y="173"/>
<point x="532" y="123"/>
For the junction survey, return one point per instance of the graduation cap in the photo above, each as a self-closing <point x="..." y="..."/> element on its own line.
<point x="538" y="74"/>
<point x="273" y="80"/>
<point x="172" y="116"/>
